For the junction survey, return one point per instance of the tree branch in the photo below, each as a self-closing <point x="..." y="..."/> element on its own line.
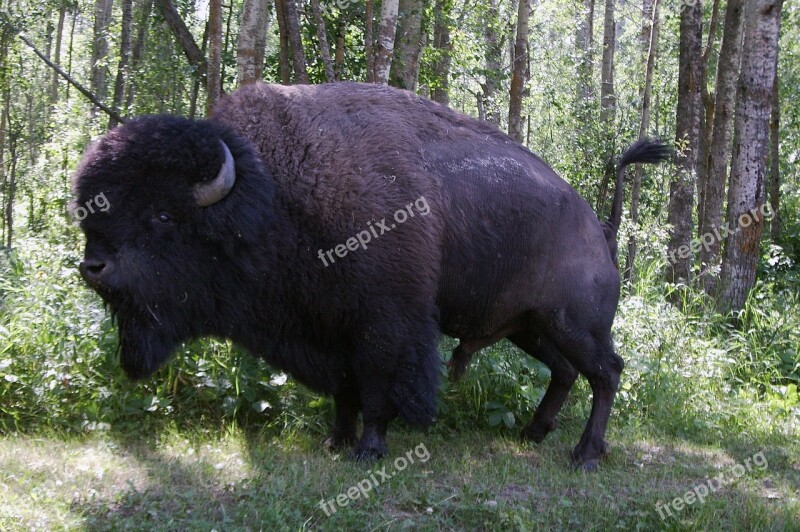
<point x="184" y="37"/>
<point x="110" y="112"/>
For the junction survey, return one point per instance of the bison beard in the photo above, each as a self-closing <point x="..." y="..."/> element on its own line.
<point x="215" y="226"/>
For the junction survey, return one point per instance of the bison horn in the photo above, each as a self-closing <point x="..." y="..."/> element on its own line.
<point x="209" y="192"/>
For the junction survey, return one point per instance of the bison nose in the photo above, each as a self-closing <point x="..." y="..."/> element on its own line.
<point x="92" y="270"/>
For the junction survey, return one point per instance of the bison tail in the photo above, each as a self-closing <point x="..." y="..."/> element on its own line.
<point x="647" y="151"/>
<point x="415" y="386"/>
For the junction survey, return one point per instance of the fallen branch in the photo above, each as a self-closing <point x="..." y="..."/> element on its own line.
<point x="110" y="112"/>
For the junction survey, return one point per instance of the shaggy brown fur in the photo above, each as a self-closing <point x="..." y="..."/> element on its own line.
<point x="508" y="249"/>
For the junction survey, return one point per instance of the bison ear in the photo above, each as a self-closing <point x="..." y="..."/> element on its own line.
<point x="210" y="192"/>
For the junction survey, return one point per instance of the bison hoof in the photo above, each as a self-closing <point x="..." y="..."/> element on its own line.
<point x="369" y="454"/>
<point x="336" y="442"/>
<point x="587" y="459"/>
<point x="538" y="432"/>
<point x="590" y="466"/>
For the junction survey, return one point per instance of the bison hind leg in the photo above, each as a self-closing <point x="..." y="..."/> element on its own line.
<point x="459" y="362"/>
<point x="562" y="377"/>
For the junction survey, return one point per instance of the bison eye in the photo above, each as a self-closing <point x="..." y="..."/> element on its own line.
<point x="164" y="218"/>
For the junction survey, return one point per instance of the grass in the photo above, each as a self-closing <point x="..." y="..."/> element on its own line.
<point x="194" y="479"/>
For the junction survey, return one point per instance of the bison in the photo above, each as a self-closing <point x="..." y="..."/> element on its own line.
<point x="218" y="228"/>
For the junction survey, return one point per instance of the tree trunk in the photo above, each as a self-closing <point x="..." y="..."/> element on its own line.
<point x="5" y="92"/>
<point x="494" y="56"/>
<point x="719" y="153"/>
<point x="385" y="45"/>
<point x="518" y="77"/>
<point x="444" y="50"/>
<point x="62" y="13"/>
<point x="11" y="179"/>
<point x="138" y="50"/>
<point x="408" y="45"/>
<point x="369" y="40"/>
<point x="322" y="37"/>
<point x="195" y="91"/>
<point x="607" y="97"/>
<point x="650" y="27"/>
<point x="687" y="138"/>
<point x="70" y="49"/>
<point x="214" y="74"/>
<point x="774" y="160"/>
<point x="338" y="60"/>
<point x="750" y="142"/>
<point x="608" y="102"/>
<point x="102" y="20"/>
<point x="283" y="51"/>
<point x="584" y="42"/>
<point x="124" y="60"/>
<point x="296" y="42"/>
<point x="707" y="118"/>
<point x="252" y="41"/>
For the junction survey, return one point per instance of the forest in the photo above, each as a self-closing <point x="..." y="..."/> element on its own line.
<point x="704" y="430"/>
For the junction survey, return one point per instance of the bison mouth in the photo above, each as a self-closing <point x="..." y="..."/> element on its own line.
<point x="150" y="328"/>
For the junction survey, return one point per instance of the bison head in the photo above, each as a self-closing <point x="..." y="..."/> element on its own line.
<point x="184" y="198"/>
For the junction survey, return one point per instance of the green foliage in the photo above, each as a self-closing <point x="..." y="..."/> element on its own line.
<point x="58" y="367"/>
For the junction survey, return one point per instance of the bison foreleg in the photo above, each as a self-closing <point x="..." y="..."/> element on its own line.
<point x="348" y="404"/>
<point x="377" y="413"/>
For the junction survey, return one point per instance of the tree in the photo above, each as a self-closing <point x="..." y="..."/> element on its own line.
<point x="408" y="45"/>
<point x="608" y="105"/>
<point x="214" y="74"/>
<point x="494" y="67"/>
<point x="322" y="37"/>
<point x="295" y="40"/>
<point x="182" y="34"/>
<point x="775" y="160"/>
<point x="750" y="142"/>
<point x="124" y="59"/>
<point x="649" y="36"/>
<point x="719" y="152"/>
<point x="102" y="20"/>
<point x="519" y="70"/>
<point x="584" y="43"/>
<point x="607" y="97"/>
<point x="706" y="118"/>
<point x="62" y="12"/>
<point x="443" y="47"/>
<point x="283" y="37"/>
<point x="369" y="40"/>
<point x="252" y="40"/>
<point x="138" y="50"/>
<point x="385" y="44"/>
<point x="687" y="139"/>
